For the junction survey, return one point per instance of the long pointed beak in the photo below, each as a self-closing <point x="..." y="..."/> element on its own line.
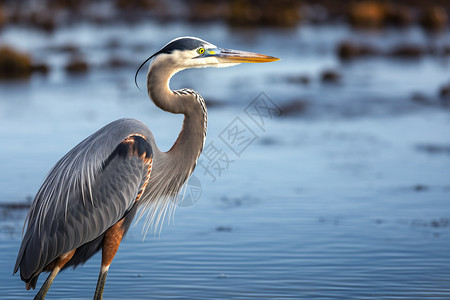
<point x="237" y="56"/>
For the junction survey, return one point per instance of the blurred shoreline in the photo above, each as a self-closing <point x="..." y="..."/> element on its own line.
<point x="344" y="195"/>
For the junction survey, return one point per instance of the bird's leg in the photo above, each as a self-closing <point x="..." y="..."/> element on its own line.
<point x="111" y="241"/>
<point x="60" y="262"/>
<point x="101" y="283"/>
<point x="44" y="288"/>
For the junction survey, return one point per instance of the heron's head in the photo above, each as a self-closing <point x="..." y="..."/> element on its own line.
<point x="191" y="52"/>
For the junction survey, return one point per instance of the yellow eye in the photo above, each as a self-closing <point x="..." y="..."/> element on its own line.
<point x="201" y="50"/>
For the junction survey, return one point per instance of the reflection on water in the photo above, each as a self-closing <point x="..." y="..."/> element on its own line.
<point x="338" y="200"/>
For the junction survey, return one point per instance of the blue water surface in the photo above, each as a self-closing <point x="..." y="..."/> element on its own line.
<point x="340" y="201"/>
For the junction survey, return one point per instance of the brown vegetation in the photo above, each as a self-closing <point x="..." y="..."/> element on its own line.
<point x="434" y="18"/>
<point x="379" y="14"/>
<point x="14" y="64"/>
<point x="367" y="14"/>
<point x="283" y="13"/>
<point x="2" y="17"/>
<point x="264" y="13"/>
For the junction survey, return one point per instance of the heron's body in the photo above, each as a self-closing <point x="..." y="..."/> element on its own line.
<point x="88" y="200"/>
<point x="86" y="234"/>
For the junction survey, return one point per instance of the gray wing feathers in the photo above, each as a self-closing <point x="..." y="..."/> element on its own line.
<point x="81" y="197"/>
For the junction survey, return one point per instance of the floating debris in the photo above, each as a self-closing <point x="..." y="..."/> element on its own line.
<point x="15" y="205"/>
<point x="223" y="229"/>
<point x="444" y="94"/>
<point x="330" y="76"/>
<point x="77" y="65"/>
<point x="40" y="68"/>
<point x="407" y="51"/>
<point x="13" y="210"/>
<point x="435" y="223"/>
<point x="446" y="50"/>
<point x="420" y="188"/>
<point x="117" y="62"/>
<point x="420" y="98"/>
<point x="294" y="108"/>
<point x="211" y="103"/>
<point x="347" y="50"/>
<point x="234" y="202"/>
<point x="434" y="149"/>
<point x="268" y="141"/>
<point x="301" y="79"/>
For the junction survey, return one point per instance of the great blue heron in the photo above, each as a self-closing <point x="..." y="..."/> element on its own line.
<point x="89" y="198"/>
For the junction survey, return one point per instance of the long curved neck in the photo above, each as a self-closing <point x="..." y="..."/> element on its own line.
<point x="189" y="144"/>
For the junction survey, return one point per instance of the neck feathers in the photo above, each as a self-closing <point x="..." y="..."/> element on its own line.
<point x="171" y="169"/>
<point x="189" y="144"/>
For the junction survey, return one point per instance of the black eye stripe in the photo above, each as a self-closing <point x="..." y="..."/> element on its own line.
<point x="181" y="44"/>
